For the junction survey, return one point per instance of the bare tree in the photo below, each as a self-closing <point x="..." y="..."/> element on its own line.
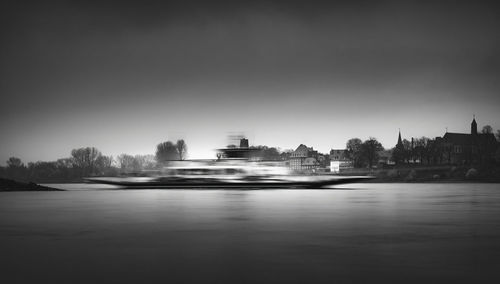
<point x="125" y="162"/>
<point x="103" y="164"/>
<point x="148" y="162"/>
<point x="420" y="148"/>
<point x="85" y="159"/>
<point x="14" y="162"/>
<point x="408" y="152"/>
<point x="181" y="149"/>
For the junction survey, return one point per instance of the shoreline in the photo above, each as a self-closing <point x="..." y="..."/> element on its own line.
<point x="8" y="185"/>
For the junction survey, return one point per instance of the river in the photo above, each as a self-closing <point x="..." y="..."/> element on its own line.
<point x="357" y="233"/>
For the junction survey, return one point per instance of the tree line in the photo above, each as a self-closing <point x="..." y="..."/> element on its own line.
<point x="89" y="161"/>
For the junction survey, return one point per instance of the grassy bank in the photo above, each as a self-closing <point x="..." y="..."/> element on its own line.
<point x="431" y="174"/>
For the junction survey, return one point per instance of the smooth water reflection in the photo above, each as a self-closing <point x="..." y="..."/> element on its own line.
<point x="362" y="232"/>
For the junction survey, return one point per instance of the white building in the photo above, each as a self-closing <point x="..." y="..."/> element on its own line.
<point x="339" y="161"/>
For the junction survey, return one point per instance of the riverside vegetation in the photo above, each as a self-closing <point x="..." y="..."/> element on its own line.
<point x="365" y="157"/>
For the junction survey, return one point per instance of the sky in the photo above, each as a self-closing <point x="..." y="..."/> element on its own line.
<point x="124" y="76"/>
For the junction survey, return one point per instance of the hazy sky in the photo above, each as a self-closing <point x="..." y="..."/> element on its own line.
<point x="124" y="76"/>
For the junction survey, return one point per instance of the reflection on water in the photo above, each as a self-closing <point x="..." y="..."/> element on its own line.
<point x="364" y="232"/>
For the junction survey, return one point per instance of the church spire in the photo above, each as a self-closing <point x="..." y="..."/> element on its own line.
<point x="473" y="125"/>
<point x="400" y="142"/>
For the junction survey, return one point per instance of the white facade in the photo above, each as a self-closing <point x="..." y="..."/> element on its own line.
<point x="335" y="166"/>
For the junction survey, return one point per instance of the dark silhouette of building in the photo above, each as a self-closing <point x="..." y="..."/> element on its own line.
<point x="400" y="142"/>
<point x="243" y="143"/>
<point x="464" y="148"/>
<point x="398" y="155"/>
<point x="233" y="152"/>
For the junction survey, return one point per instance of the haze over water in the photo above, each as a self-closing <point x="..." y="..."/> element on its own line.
<point x="398" y="233"/>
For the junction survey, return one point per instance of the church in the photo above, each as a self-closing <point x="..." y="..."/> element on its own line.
<point x="467" y="148"/>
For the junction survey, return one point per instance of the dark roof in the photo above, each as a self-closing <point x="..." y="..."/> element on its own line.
<point x="302" y="147"/>
<point x="468" y="139"/>
<point x="458" y="138"/>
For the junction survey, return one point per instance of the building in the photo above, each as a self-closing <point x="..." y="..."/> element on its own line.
<point x="304" y="159"/>
<point x="465" y="148"/>
<point x="385" y="158"/>
<point x="234" y="152"/>
<point x="400" y="155"/>
<point x="339" y="160"/>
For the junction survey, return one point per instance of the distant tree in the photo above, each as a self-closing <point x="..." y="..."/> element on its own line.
<point x="398" y="155"/>
<point x="181" y="149"/>
<point x="104" y="165"/>
<point x="498" y="135"/>
<point x="353" y="151"/>
<point x="126" y="162"/>
<point x="65" y="163"/>
<point x="433" y="151"/>
<point x="272" y="154"/>
<point x="65" y="170"/>
<point x="104" y="161"/>
<point x="85" y="159"/>
<point x="44" y="171"/>
<point x="138" y="163"/>
<point x="266" y="153"/>
<point x="369" y="151"/>
<point x="16" y="169"/>
<point x="421" y="148"/>
<point x="166" y="151"/>
<point x="14" y="162"/>
<point x="147" y="162"/>
<point x="487" y="129"/>
<point x="408" y="151"/>
<point x="285" y="155"/>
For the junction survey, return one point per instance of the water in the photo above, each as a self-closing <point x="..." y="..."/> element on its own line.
<point x="359" y="233"/>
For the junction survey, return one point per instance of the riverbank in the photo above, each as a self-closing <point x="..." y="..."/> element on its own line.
<point x="437" y="174"/>
<point x="11" y="185"/>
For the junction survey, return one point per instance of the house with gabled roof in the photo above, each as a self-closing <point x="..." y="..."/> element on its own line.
<point x="304" y="159"/>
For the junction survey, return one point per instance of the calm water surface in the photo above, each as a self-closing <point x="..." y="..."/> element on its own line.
<point x="359" y="233"/>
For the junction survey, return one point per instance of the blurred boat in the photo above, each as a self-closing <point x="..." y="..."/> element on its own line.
<point x="225" y="174"/>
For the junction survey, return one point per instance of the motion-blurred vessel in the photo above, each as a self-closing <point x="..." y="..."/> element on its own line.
<point x="225" y="174"/>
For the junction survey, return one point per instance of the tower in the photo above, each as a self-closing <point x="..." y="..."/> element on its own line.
<point x="400" y="142"/>
<point x="473" y="126"/>
<point x="398" y="155"/>
<point x="243" y="143"/>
